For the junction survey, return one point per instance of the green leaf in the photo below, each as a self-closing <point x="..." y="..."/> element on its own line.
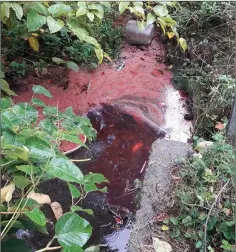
<point x="5" y="10"/>
<point x="39" y="149"/>
<point x="81" y="11"/>
<point x="90" y="181"/>
<point x="65" y="169"/>
<point x="35" y="21"/>
<point x="91" y="40"/>
<point x="123" y="6"/>
<point x="160" y="10"/>
<point x="139" y="10"/>
<point x="198" y="244"/>
<point x="18" y="10"/>
<point x="72" y="65"/>
<point x="15" y="152"/>
<point x="99" y="54"/>
<point x="47" y="126"/>
<point x="28" y="169"/>
<point x="78" y="208"/>
<point x="16" y="224"/>
<point x="30" y="225"/>
<point x="4" y="86"/>
<point x="36" y="216"/>
<point x="72" y="230"/>
<point x="174" y="221"/>
<point x="14" y="245"/>
<point x="38" y="7"/>
<point x="90" y="15"/>
<point x="150" y="18"/>
<point x="58" y="61"/>
<point x="59" y="9"/>
<point x="187" y="221"/>
<point x="38" y="89"/>
<point x="183" y="44"/>
<point x="6" y="102"/>
<point x="20" y="181"/>
<point x="38" y="102"/>
<point x="54" y="25"/>
<point x="72" y="249"/>
<point x="75" y="193"/>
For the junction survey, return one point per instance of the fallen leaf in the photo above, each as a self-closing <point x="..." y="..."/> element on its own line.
<point x="161" y="246"/>
<point x="7" y="191"/>
<point x="57" y="209"/>
<point x="164" y="228"/>
<point x="39" y="197"/>
<point x="220" y="126"/>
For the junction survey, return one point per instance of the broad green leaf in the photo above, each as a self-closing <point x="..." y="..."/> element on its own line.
<point x="54" y="25"/>
<point x="38" y="7"/>
<point x="160" y="10"/>
<point x="38" y="89"/>
<point x="4" y="86"/>
<point x="47" y="126"/>
<point x="106" y="4"/>
<point x="6" y="102"/>
<point x="150" y="18"/>
<point x="95" y="248"/>
<point x="139" y="9"/>
<point x="30" y="225"/>
<point x="78" y="208"/>
<point x="35" y="21"/>
<point x="65" y="169"/>
<point x="59" y="9"/>
<point x="91" y="40"/>
<point x="28" y="169"/>
<point x="58" y="60"/>
<point x="36" y="216"/>
<point x="16" y="224"/>
<point x="75" y="193"/>
<point x="90" y="15"/>
<point x="198" y="244"/>
<point x="14" y="245"/>
<point x="82" y="4"/>
<point x="72" y="65"/>
<point x="38" y="102"/>
<point x="92" y="179"/>
<point x="15" y="152"/>
<point x="39" y="149"/>
<point x="99" y="54"/>
<point x="18" y="10"/>
<point x="72" y="230"/>
<point x="123" y="6"/>
<point x="183" y="44"/>
<point x="24" y="203"/>
<point x="20" y="181"/>
<point x="72" y="249"/>
<point x="5" y="10"/>
<point x="81" y="11"/>
<point x="99" y="14"/>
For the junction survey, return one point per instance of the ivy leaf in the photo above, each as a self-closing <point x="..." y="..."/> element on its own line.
<point x="38" y="89"/>
<point x="28" y="169"/>
<point x="150" y="18"/>
<point x="59" y="9"/>
<point x="183" y="44"/>
<point x="72" y="65"/>
<point x="54" y="25"/>
<point x="72" y="230"/>
<point x="14" y="245"/>
<point x="38" y="102"/>
<point x="18" y="10"/>
<point x="123" y="6"/>
<point x="78" y="208"/>
<point x="35" y="21"/>
<point x="75" y="193"/>
<point x="160" y="10"/>
<point x="65" y="169"/>
<point x="36" y="216"/>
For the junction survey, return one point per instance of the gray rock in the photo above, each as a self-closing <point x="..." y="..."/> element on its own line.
<point x="134" y="35"/>
<point x="154" y="194"/>
<point x="231" y="131"/>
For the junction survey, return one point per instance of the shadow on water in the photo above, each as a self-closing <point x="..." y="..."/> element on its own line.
<point x="120" y="153"/>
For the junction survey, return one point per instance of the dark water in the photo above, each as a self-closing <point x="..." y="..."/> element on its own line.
<point x="120" y="153"/>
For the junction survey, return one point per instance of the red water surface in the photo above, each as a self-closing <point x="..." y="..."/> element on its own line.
<point x="139" y="86"/>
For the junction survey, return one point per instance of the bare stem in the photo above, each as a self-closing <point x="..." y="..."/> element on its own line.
<point x="47" y="249"/>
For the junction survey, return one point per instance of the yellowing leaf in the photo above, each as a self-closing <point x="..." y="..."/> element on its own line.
<point x="46" y="4"/>
<point x="99" y="54"/>
<point x="6" y="192"/>
<point x="34" y="43"/>
<point x="170" y="34"/>
<point x="39" y="197"/>
<point x="183" y="44"/>
<point x="164" y="228"/>
<point x="34" y="34"/>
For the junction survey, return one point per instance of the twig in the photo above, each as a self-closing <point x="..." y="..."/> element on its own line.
<point x="46" y="249"/>
<point x="80" y="160"/>
<point x="209" y="214"/>
<point x="143" y="167"/>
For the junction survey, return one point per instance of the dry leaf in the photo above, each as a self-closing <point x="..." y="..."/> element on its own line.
<point x="34" y="43"/>
<point x="220" y="126"/>
<point x="39" y="197"/>
<point x="57" y="209"/>
<point x="6" y="192"/>
<point x="164" y="228"/>
<point x="161" y="246"/>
